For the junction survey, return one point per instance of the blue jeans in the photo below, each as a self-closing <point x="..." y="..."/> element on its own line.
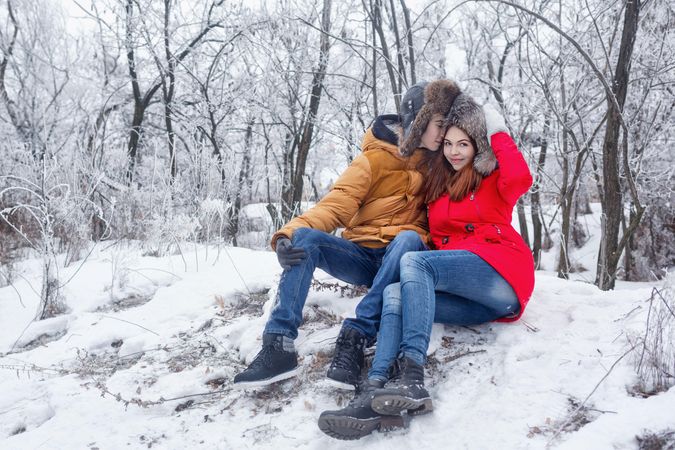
<point x="445" y="286"/>
<point x="346" y="261"/>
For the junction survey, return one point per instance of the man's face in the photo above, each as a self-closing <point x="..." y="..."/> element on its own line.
<point x="433" y="135"/>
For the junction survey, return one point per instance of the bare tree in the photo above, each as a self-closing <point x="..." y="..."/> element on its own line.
<point x="300" y="144"/>
<point x="141" y="100"/>
<point x="615" y="150"/>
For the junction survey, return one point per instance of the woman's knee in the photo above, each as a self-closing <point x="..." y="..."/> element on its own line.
<point x="391" y="299"/>
<point x="504" y="299"/>
<point x="413" y="261"/>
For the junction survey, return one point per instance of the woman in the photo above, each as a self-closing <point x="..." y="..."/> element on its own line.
<point x="481" y="270"/>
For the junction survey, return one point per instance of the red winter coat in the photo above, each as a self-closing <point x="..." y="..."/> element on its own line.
<point x="481" y="222"/>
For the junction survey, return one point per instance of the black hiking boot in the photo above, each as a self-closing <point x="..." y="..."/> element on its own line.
<point x="275" y="362"/>
<point x="404" y="392"/>
<point x="345" y="369"/>
<point x="358" y="419"/>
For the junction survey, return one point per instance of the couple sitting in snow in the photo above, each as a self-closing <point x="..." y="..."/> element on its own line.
<point x="427" y="215"/>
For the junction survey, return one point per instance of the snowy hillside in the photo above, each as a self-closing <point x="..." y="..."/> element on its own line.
<point x="146" y="354"/>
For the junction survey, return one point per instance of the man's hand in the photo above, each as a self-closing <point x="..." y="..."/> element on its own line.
<point x="494" y="122"/>
<point x="287" y="254"/>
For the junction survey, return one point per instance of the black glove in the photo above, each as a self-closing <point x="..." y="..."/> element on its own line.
<point x="287" y="254"/>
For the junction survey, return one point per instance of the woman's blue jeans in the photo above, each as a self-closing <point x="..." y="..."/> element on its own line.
<point x="445" y="286"/>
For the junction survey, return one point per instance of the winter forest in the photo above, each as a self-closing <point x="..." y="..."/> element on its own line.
<point x="188" y="132"/>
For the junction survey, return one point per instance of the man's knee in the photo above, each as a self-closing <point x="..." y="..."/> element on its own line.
<point x="407" y="240"/>
<point x="305" y="237"/>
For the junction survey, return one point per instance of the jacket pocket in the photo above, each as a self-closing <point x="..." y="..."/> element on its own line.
<point x="492" y="233"/>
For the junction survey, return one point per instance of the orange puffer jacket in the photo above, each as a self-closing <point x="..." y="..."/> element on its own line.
<point x="375" y="198"/>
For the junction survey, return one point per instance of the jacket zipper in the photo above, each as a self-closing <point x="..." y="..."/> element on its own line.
<point x="475" y="204"/>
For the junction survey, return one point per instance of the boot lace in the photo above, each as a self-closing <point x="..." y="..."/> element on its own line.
<point x="363" y="390"/>
<point x="263" y="358"/>
<point x="346" y="353"/>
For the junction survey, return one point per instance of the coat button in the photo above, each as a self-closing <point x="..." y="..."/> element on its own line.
<point x="469" y="227"/>
<point x="445" y="240"/>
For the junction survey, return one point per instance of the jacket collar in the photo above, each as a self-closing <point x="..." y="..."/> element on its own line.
<point x="384" y="128"/>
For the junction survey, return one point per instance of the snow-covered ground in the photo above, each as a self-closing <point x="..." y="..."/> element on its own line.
<point x="147" y="351"/>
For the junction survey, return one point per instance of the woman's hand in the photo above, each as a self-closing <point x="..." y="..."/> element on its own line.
<point x="494" y="122"/>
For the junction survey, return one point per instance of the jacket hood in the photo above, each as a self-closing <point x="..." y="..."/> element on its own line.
<point x="386" y="128"/>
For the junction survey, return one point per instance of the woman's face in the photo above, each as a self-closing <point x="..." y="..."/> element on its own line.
<point x="433" y="135"/>
<point x="457" y="148"/>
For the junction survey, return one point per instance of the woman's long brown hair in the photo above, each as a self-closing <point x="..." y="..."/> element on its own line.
<point x="441" y="178"/>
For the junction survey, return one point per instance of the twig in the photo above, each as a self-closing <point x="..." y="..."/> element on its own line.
<point x="145" y="403"/>
<point x="200" y="394"/>
<point x="625" y="316"/>
<point x="324" y="315"/>
<point x="459" y="355"/>
<point x="581" y="405"/>
<point x="132" y="323"/>
<point x="138" y="271"/>
<point x="530" y="327"/>
<point x="180" y="251"/>
<point x="28" y="283"/>
<point x="471" y="329"/>
<point x="25" y="367"/>
<point x="11" y="350"/>
<point x="229" y="405"/>
<point x="237" y="270"/>
<point x="84" y="260"/>
<point x="644" y="339"/>
<point x="9" y="283"/>
<point x="656" y="291"/>
<point x="602" y="411"/>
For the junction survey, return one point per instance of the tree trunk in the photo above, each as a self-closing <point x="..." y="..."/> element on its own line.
<point x="292" y="197"/>
<point x="139" y="108"/>
<point x="535" y="200"/>
<point x="612" y="206"/>
<point x="563" y="268"/>
<point x="29" y="132"/>
<point x="409" y="37"/>
<point x="522" y="221"/>
<point x="168" y="92"/>
<point x="565" y="186"/>
<point x="628" y="259"/>
<point x="399" y="52"/>
<point x="242" y="181"/>
<point x="374" y="87"/>
<point x="134" y="138"/>
<point x="375" y="15"/>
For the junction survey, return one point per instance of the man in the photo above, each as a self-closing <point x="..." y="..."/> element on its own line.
<point x="377" y="200"/>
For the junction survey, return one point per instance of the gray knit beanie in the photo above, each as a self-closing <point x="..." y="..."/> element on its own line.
<point x="412" y="102"/>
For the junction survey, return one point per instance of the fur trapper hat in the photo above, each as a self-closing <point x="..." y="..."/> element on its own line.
<point x="467" y="115"/>
<point x="439" y="96"/>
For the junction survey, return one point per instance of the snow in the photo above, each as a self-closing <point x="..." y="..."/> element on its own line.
<point x="164" y="331"/>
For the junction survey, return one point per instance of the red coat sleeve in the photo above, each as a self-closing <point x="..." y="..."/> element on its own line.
<point x="514" y="174"/>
